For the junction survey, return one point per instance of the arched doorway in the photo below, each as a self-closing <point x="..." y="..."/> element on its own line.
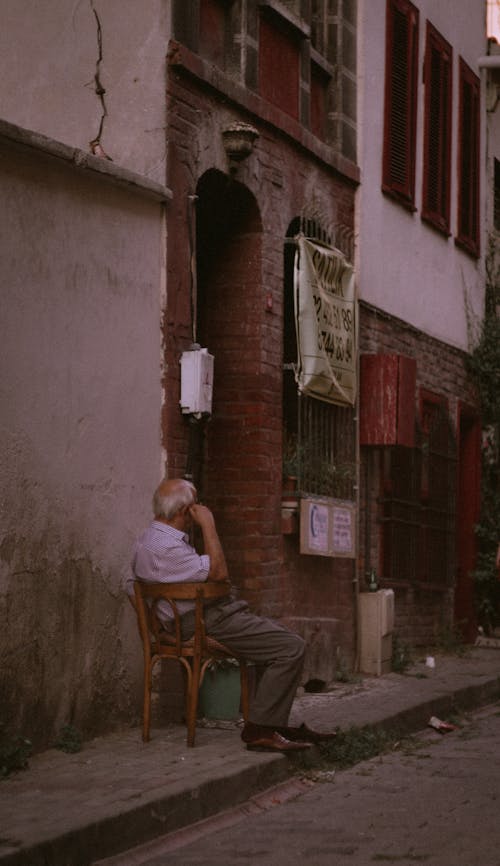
<point x="230" y="322"/>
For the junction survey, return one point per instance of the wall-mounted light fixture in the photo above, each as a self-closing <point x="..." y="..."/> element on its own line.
<point x="239" y="139"/>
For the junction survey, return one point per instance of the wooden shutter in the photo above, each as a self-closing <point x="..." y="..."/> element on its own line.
<point x="401" y="65"/>
<point x="468" y="160"/>
<point x="437" y="130"/>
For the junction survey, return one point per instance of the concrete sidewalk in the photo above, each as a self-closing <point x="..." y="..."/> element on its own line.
<point x="75" y="809"/>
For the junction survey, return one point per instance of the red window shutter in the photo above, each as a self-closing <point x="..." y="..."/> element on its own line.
<point x="212" y="31"/>
<point x="468" y="160"/>
<point x="401" y="68"/>
<point x="279" y="66"/>
<point x="387" y="400"/>
<point x="437" y="131"/>
<point x="319" y="100"/>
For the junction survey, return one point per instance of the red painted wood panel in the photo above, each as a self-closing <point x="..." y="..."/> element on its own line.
<point x="279" y="64"/>
<point x="387" y="400"/>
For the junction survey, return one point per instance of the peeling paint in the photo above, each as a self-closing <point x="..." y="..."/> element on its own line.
<point x="8" y="548"/>
<point x="79" y="460"/>
<point x="62" y="643"/>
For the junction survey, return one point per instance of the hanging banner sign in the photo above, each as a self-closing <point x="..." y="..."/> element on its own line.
<point x="325" y="317"/>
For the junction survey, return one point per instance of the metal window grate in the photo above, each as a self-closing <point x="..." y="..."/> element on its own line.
<point x="318" y="437"/>
<point x="418" y="505"/>
<point x="326" y="449"/>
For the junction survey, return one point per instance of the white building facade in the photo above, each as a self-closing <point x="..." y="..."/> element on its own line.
<point x="422" y="240"/>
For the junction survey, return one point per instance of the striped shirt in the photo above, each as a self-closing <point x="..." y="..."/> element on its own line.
<point x="163" y="554"/>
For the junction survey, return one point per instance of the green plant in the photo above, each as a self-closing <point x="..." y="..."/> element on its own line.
<point x="483" y="366"/>
<point x="292" y="453"/>
<point x="401" y="655"/>
<point x="343" y="672"/>
<point x="331" y="479"/>
<point x="342" y="675"/>
<point x="449" y="640"/>
<point x="14" y="753"/>
<point x="317" y="473"/>
<point x="357" y="744"/>
<point x="69" y="739"/>
<point x="222" y="665"/>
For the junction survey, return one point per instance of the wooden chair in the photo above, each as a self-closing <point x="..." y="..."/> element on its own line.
<point x="194" y="654"/>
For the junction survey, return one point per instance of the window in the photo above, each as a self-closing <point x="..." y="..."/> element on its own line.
<point x="318" y="437"/>
<point x="319" y="27"/>
<point x="212" y="31"/>
<point x="418" y="500"/>
<point x="333" y="73"/>
<point x="468" y="160"/>
<point x="401" y="65"/>
<point x="279" y="65"/>
<point x="320" y="83"/>
<point x="437" y="131"/>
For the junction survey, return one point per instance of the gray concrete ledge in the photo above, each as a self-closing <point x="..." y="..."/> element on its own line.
<point x="26" y="139"/>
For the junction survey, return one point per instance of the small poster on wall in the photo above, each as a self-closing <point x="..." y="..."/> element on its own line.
<point x="318" y="519"/>
<point x="328" y="527"/>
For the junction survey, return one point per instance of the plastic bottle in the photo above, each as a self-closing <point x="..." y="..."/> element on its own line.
<point x="372" y="583"/>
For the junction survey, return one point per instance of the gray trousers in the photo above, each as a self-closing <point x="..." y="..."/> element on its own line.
<point x="278" y="653"/>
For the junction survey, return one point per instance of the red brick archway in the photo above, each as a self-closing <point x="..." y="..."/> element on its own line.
<point x="238" y="475"/>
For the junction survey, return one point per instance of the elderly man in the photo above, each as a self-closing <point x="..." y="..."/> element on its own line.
<point x="163" y="553"/>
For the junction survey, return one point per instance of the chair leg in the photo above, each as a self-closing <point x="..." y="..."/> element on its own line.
<point x="192" y="701"/>
<point x="245" y="701"/>
<point x="146" y="712"/>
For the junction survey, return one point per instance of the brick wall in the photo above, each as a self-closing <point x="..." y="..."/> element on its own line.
<point x="240" y="293"/>
<point x="422" y="612"/>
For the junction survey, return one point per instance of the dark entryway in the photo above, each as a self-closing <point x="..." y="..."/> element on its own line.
<point x="468" y="504"/>
<point x="231" y="322"/>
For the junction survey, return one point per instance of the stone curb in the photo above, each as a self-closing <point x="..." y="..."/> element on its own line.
<point x="157" y="816"/>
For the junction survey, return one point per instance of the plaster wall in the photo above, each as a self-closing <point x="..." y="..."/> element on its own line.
<point x="89" y="69"/>
<point x="80" y="395"/>
<point x="405" y="267"/>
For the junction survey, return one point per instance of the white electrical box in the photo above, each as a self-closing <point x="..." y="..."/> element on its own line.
<point x="376" y="625"/>
<point x="197" y="376"/>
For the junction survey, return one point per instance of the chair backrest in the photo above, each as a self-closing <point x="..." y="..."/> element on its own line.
<point x="147" y="595"/>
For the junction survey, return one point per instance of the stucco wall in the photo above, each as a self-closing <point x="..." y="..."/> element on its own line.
<point x="405" y="267"/>
<point x="80" y="394"/>
<point x="71" y="70"/>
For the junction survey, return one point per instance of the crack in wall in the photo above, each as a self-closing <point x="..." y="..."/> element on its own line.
<point x="95" y="144"/>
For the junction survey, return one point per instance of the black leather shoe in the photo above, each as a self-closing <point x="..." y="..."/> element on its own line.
<point x="305" y="733"/>
<point x="275" y="742"/>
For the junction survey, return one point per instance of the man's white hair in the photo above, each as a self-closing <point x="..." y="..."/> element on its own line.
<point x="168" y="505"/>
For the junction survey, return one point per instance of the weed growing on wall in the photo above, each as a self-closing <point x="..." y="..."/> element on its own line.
<point x="483" y="366"/>
<point x="69" y="739"/>
<point x="14" y="753"/>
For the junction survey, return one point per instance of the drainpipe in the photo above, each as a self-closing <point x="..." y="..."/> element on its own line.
<point x="356" y="586"/>
<point x="491" y="62"/>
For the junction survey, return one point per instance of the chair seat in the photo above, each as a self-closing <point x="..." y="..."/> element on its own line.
<point x="211" y="644"/>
